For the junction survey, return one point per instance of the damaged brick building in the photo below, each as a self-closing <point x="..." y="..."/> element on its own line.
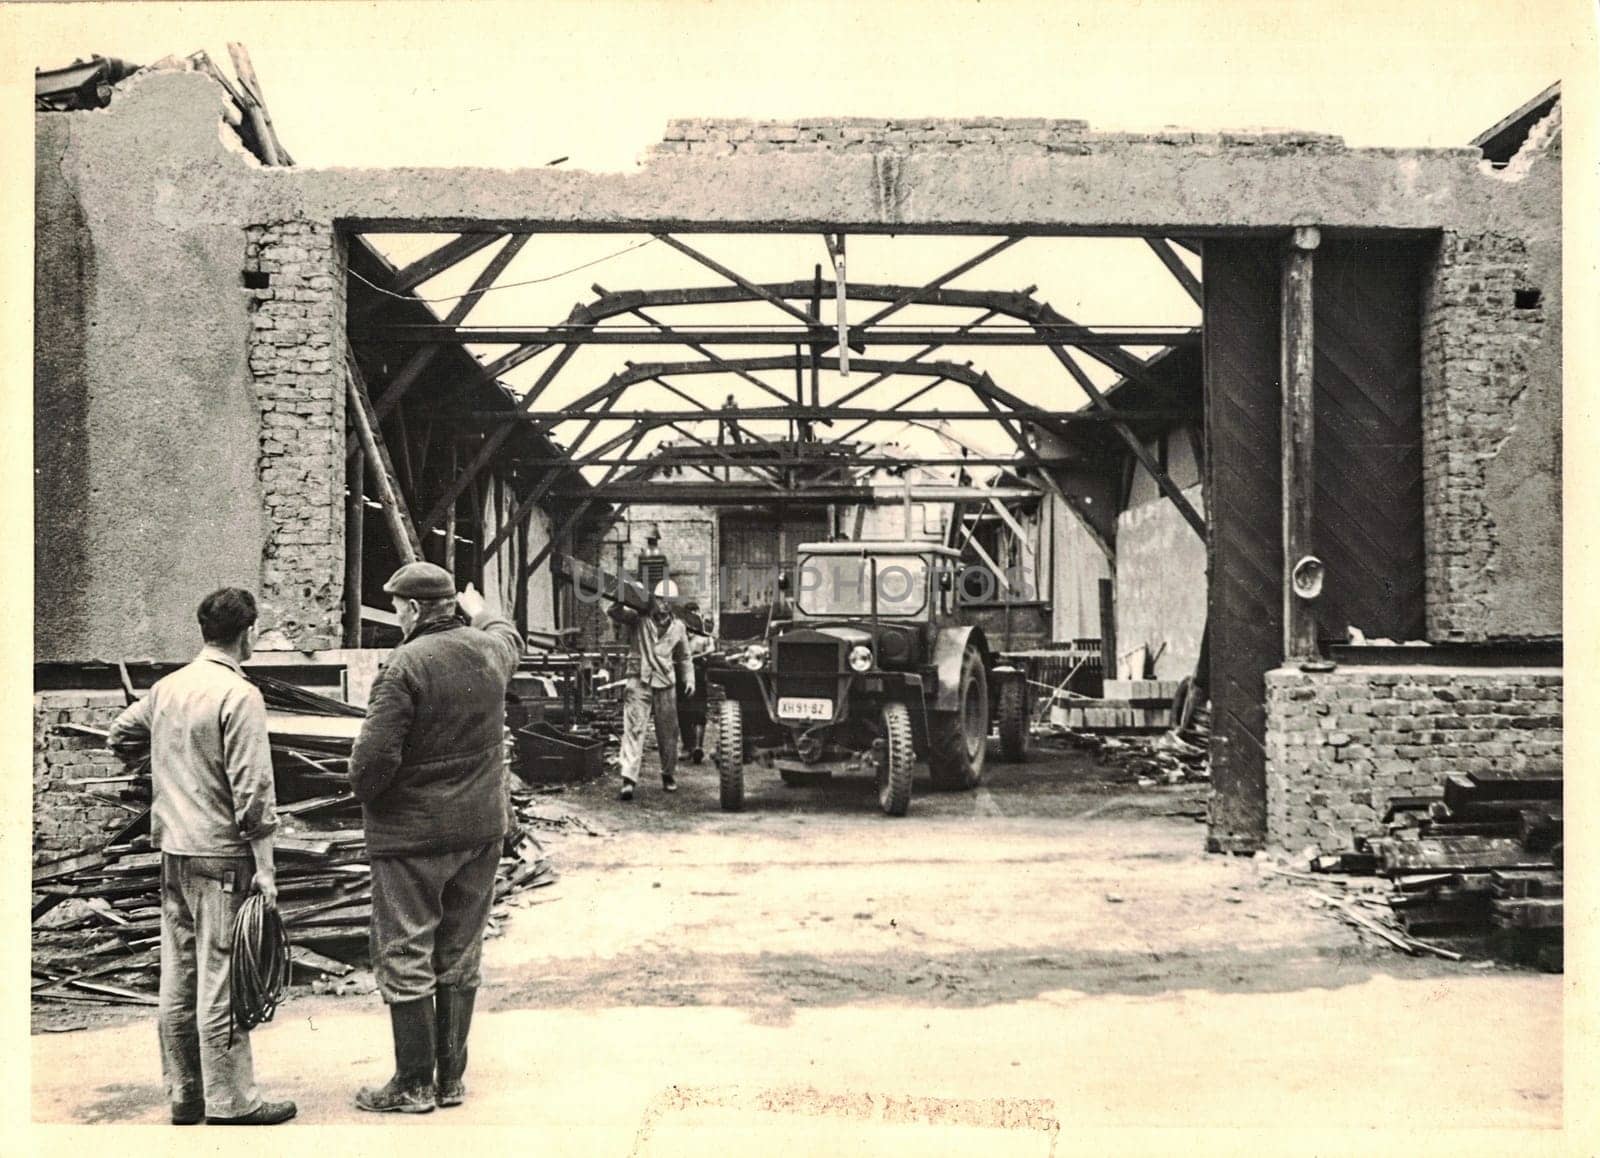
<point x="192" y="422"/>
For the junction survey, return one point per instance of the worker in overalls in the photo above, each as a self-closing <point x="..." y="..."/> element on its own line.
<point x="658" y="660"/>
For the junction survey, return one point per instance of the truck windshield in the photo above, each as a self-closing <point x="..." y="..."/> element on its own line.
<point x="845" y="585"/>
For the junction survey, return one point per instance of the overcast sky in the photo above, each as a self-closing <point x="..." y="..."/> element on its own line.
<point x="519" y="85"/>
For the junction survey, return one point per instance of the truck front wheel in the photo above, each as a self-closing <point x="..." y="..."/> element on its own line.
<point x="730" y="755"/>
<point x="1013" y="712"/>
<point x="957" y="741"/>
<point x="896" y="758"/>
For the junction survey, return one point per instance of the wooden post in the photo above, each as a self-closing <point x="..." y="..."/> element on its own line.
<point x="354" y="546"/>
<point x="1296" y="360"/>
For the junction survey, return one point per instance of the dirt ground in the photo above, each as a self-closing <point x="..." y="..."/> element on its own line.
<point x="1052" y="953"/>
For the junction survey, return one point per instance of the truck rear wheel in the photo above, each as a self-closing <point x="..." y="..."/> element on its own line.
<point x="896" y="760"/>
<point x="958" y="740"/>
<point x="1013" y="712"/>
<point x="730" y="755"/>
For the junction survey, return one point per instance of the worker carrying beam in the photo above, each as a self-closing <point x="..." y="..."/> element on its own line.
<point x="429" y="770"/>
<point x="658" y="660"/>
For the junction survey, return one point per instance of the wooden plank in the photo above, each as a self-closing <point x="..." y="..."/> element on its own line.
<point x="404" y="533"/>
<point x="1297" y="362"/>
<point x="355" y="522"/>
<point x="1530" y="786"/>
<point x="1459" y="853"/>
<point x="304" y="958"/>
<point x="1529" y="912"/>
<point x="67" y="866"/>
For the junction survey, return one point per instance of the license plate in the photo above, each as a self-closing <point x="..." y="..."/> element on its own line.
<point x="804" y="708"/>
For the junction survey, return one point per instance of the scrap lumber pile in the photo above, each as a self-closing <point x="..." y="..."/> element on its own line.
<point x="1181" y="754"/>
<point x="1483" y="853"/>
<point x="97" y="914"/>
<point x="1124" y="706"/>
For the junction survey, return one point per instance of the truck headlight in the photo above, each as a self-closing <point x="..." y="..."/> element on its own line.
<point x="755" y="658"/>
<point x="860" y="658"/>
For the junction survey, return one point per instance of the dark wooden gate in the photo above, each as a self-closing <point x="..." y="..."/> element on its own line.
<point x="1243" y="503"/>
<point x="1367" y="518"/>
<point x="754" y="548"/>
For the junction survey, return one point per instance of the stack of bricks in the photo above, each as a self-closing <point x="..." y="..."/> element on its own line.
<point x="1475" y="345"/>
<point x="1341" y="743"/>
<point x="69" y="817"/>
<point x="297" y="301"/>
<point x="1021" y="135"/>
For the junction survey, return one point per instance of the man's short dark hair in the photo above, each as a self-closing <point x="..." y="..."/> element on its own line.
<point x="225" y="614"/>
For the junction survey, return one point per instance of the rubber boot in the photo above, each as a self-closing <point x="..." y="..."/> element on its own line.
<point x="411" y="1090"/>
<point x="452" y="1021"/>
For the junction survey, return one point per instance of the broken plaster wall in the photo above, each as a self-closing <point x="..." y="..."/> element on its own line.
<point x="1491" y="406"/>
<point x="146" y="420"/>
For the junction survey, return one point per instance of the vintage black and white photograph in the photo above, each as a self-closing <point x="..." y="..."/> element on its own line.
<point x="800" y="579"/>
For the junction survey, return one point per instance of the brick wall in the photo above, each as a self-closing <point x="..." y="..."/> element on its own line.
<point x="69" y="817"/>
<point x="296" y="364"/>
<point x="1018" y="136"/>
<point x="1476" y="344"/>
<point x="687" y="536"/>
<point x="1340" y="743"/>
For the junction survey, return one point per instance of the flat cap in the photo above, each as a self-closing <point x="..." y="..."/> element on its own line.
<point x="421" y="581"/>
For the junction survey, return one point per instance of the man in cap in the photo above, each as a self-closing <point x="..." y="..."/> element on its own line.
<point x="658" y="658"/>
<point x="429" y="770"/>
<point x="212" y="817"/>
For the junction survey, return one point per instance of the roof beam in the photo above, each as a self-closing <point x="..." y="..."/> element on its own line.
<point x="742" y="282"/>
<point x="657" y="334"/>
<point x="792" y="413"/>
<point x="491" y="445"/>
<point x="415" y="366"/>
<point x="451" y="253"/>
<point x="1175" y="266"/>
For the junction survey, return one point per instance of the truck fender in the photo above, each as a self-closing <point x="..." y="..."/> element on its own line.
<point x="948" y="648"/>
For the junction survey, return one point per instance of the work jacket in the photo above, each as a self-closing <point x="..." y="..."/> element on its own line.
<point x="429" y="764"/>
<point x="205" y="730"/>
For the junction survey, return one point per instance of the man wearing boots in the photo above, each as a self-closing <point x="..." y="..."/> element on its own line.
<point x="429" y="770"/>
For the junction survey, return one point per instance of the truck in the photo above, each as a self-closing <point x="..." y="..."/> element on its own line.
<point x="873" y="669"/>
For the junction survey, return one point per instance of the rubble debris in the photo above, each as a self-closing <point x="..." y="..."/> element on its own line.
<point x="1167" y="758"/>
<point x="1481" y="856"/>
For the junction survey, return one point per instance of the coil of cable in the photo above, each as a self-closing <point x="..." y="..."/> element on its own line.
<point x="260" y="966"/>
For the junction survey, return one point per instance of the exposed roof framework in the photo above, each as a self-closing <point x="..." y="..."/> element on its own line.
<point x="824" y="457"/>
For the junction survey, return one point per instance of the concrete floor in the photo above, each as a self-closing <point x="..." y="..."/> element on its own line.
<point x="1006" y="971"/>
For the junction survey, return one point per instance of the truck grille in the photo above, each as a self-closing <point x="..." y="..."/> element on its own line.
<point x="808" y="658"/>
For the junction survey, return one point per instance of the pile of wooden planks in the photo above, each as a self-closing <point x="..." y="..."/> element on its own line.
<point x="1483" y="852"/>
<point x="97" y="914"/>
<point x="104" y="948"/>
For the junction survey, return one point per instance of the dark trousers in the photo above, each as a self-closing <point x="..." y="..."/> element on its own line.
<point x="428" y="917"/>
<point x="204" y="1062"/>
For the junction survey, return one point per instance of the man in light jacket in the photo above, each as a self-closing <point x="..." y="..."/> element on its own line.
<point x="429" y="769"/>
<point x="212" y="817"/>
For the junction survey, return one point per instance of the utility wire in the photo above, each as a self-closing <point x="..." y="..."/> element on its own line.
<point x="507" y="285"/>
